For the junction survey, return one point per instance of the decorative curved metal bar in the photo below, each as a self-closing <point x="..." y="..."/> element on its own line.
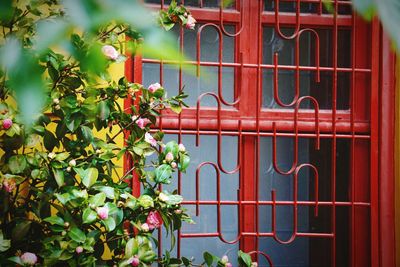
<point x="198" y="59"/>
<point x="221" y="20"/>
<point x="316" y="117"/>
<point x="219" y="155"/>
<point x="314" y="169"/>
<point x="294" y="232"/>
<point x="218" y="188"/>
<point x="277" y="23"/>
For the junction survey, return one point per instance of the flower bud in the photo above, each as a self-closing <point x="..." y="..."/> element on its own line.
<point x="102" y="212"/>
<point x="254" y="264"/>
<point x="173" y="165"/>
<point x="56" y="101"/>
<point x="66" y="224"/>
<point x="57" y="107"/>
<point x="178" y="211"/>
<point x="182" y="148"/>
<point x="163" y="197"/>
<point x="224" y="259"/>
<point x="7" y="123"/>
<point x="191" y="22"/>
<point x="169" y="157"/>
<point x="63" y="233"/>
<point x="68" y="169"/>
<point x="72" y="163"/>
<point x="145" y="227"/>
<point x="228" y="264"/>
<point x="146" y="201"/>
<point x="98" y="151"/>
<point x="154" y="87"/>
<point x="51" y="155"/>
<point x="134" y="261"/>
<point x="29" y="259"/>
<point x="79" y="250"/>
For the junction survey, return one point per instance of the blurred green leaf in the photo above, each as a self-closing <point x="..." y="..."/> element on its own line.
<point x="90" y="177"/>
<point x="77" y="235"/>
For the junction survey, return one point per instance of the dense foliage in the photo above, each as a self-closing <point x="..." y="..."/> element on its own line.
<point x="62" y="199"/>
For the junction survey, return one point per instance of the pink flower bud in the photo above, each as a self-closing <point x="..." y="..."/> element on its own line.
<point x="145" y="227"/>
<point x="141" y="122"/>
<point x="173" y="165"/>
<point x="154" y="87"/>
<point x="224" y="259"/>
<point x="29" y="258"/>
<point x="110" y="52"/>
<point x="7" y="123"/>
<point x="169" y="157"/>
<point x="178" y="211"/>
<point x="154" y="220"/>
<point x="134" y="261"/>
<point x="9" y="185"/>
<point x="228" y="264"/>
<point x="150" y="139"/>
<point x="182" y="148"/>
<point x="191" y="22"/>
<point x="79" y="250"/>
<point x="102" y="212"/>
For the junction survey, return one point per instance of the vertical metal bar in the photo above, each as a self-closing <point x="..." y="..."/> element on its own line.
<point x="386" y="139"/>
<point x="333" y="155"/>
<point x="374" y="146"/>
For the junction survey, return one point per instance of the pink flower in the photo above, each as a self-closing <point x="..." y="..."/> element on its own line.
<point x="154" y="87"/>
<point x="79" y="250"/>
<point x="134" y="261"/>
<point x="102" y="212"/>
<point x="169" y="157"/>
<point x="150" y="139"/>
<point x="191" y="22"/>
<point x="141" y="122"/>
<point x="110" y="52"/>
<point x="154" y="220"/>
<point x="29" y="259"/>
<point x="7" y="123"/>
<point x="9" y="185"/>
<point x="228" y="264"/>
<point x="225" y="259"/>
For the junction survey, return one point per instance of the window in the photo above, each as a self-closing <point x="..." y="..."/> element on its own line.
<point x="279" y="129"/>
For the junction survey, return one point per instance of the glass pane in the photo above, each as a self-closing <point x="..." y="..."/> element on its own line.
<point x="206" y="222"/>
<point x="308" y="85"/>
<point x="208" y="80"/>
<point x="304" y="251"/>
<point x="290" y="6"/>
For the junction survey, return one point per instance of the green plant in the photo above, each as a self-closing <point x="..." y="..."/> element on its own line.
<point x="62" y="201"/>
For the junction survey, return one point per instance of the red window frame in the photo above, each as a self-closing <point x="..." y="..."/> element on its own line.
<point x="370" y="117"/>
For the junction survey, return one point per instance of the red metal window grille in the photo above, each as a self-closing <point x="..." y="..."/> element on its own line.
<point x="282" y="128"/>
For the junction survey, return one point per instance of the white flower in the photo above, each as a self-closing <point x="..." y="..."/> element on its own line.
<point x="163" y="197"/>
<point x="72" y="163"/>
<point x="150" y="139"/>
<point x="191" y="22"/>
<point x="182" y="148"/>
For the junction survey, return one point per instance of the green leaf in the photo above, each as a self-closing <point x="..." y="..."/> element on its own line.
<point x="109" y="223"/>
<point x="246" y="258"/>
<point x="62" y="156"/>
<point x="103" y="110"/>
<point x="208" y="258"/>
<point x="184" y="161"/>
<point x="59" y="177"/>
<point x="108" y="190"/>
<point x="86" y="133"/>
<point x="172" y="147"/>
<point x="50" y="141"/>
<point x="54" y="220"/>
<point x="89" y="215"/>
<point x="176" y="108"/>
<point x="77" y="235"/>
<point x="17" y="164"/>
<point x="5" y="244"/>
<point x="163" y="174"/>
<point x="90" y="177"/>
<point x="131" y="247"/>
<point x="98" y="199"/>
<point x="21" y="230"/>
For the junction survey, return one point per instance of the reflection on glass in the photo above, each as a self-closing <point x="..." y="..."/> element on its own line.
<point x="195" y="3"/>
<point x="208" y="80"/>
<point x="290" y="6"/>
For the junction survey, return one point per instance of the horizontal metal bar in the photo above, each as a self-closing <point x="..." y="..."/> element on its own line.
<point x="258" y="234"/>
<point x="250" y="65"/>
<point x="307" y="19"/>
<point x="277" y="202"/>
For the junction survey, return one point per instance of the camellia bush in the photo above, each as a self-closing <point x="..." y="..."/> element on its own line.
<point x="62" y="202"/>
